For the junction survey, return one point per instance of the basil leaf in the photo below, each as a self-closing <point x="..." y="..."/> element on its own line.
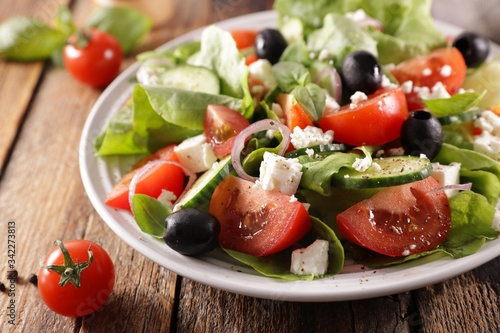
<point x="311" y="98"/>
<point x="27" y="39"/>
<point x="125" y="24"/>
<point x="64" y="21"/>
<point x="296" y="52"/>
<point x="150" y="214"/>
<point x="290" y="74"/>
<point x="456" y="104"/>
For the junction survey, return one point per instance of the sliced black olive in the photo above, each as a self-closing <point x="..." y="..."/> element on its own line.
<point x="361" y="71"/>
<point x="474" y="48"/>
<point x="191" y="232"/>
<point x="421" y="133"/>
<point x="270" y="44"/>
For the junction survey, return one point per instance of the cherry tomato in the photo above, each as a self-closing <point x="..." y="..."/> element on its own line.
<point x="221" y="126"/>
<point x="425" y="71"/>
<point x="294" y="114"/>
<point x="255" y="221"/>
<point x="244" y="38"/>
<point x="97" y="62"/>
<point x="165" y="176"/>
<point x="96" y="281"/>
<point x="250" y="59"/>
<point x="374" y="122"/>
<point x="400" y="220"/>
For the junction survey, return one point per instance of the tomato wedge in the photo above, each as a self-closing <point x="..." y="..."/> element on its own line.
<point x="165" y="176"/>
<point x="221" y="125"/>
<point x="255" y="221"/>
<point x="400" y="220"/>
<point x="294" y="114"/>
<point x="244" y="38"/>
<point x="426" y="71"/>
<point x="374" y="122"/>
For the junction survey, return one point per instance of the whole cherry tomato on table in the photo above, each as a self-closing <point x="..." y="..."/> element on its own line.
<point x="76" y="278"/>
<point x="93" y="57"/>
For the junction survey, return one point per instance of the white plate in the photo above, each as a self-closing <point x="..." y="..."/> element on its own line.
<point x="353" y="283"/>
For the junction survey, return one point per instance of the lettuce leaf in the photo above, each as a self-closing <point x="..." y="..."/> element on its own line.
<point x="278" y="265"/>
<point x="454" y="105"/>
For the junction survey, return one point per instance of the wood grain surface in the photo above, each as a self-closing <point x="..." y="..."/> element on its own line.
<point x="42" y="113"/>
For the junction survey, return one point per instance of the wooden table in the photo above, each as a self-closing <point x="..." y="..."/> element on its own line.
<point x="42" y="113"/>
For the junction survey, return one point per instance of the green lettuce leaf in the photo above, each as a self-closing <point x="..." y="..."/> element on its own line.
<point x="456" y="104"/>
<point x="127" y="25"/>
<point x="485" y="78"/>
<point x="278" y="265"/>
<point x="178" y="55"/>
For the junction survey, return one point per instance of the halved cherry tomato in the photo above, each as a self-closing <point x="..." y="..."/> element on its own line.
<point x="221" y="126"/>
<point x="251" y="58"/>
<point x="374" y="122"/>
<point x="417" y="70"/>
<point x="164" y="176"/>
<point x="244" y="38"/>
<point x="255" y="221"/>
<point x="294" y="114"/>
<point x="400" y="220"/>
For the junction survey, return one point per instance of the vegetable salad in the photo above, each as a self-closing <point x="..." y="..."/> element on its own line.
<point x="354" y="129"/>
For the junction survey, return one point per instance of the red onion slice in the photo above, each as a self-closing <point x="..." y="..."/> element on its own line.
<point x="142" y="171"/>
<point x="370" y="21"/>
<point x="259" y="126"/>
<point x="461" y="187"/>
<point x="335" y="81"/>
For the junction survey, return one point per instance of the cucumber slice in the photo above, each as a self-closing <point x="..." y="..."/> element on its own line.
<point x="319" y="149"/>
<point x="200" y="194"/>
<point x="393" y="171"/>
<point x="191" y="78"/>
<point x="461" y="117"/>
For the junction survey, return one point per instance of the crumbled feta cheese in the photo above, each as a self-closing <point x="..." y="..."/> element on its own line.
<point x="310" y="136"/>
<point x="293" y="198"/>
<point x="488" y="122"/>
<point x="445" y="71"/>
<point x="270" y="134"/>
<point x="352" y="106"/>
<point x="309" y="152"/>
<point x="362" y="164"/>
<point x="488" y="144"/>
<point x="426" y="72"/>
<point x="438" y="91"/>
<point x="358" y="97"/>
<point x="447" y="175"/>
<point x="167" y="197"/>
<point x="311" y="260"/>
<point x="356" y="16"/>
<point x="496" y="221"/>
<point x="463" y="91"/>
<point x="376" y="167"/>
<point x="195" y="154"/>
<point x="389" y="67"/>
<point x="279" y="173"/>
<point x="324" y="55"/>
<point x="407" y="86"/>
<point x="423" y="156"/>
<point x="406" y="252"/>
<point x="263" y="70"/>
<point x="331" y="103"/>
<point x="386" y="83"/>
<point x="346" y="176"/>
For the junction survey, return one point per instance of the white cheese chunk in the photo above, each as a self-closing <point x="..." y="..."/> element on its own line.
<point x="311" y="260"/>
<point x="310" y="136"/>
<point x="196" y="154"/>
<point x="407" y="86"/>
<point x="167" y="197"/>
<point x="358" y="97"/>
<point x="263" y="71"/>
<point x="496" y="221"/>
<point x="488" y="144"/>
<point x="447" y="175"/>
<point x="358" y="15"/>
<point x="279" y="173"/>
<point x="445" y="71"/>
<point x="438" y="91"/>
<point x="488" y="122"/>
<point x="330" y="102"/>
<point x="426" y="72"/>
<point x="362" y="164"/>
<point x="386" y="83"/>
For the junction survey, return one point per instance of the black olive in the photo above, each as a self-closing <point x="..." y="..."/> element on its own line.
<point x="475" y="48"/>
<point x="361" y="71"/>
<point x="191" y="232"/>
<point x="270" y="44"/>
<point x="421" y="133"/>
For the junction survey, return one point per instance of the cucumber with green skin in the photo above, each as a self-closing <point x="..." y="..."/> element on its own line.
<point x="463" y="117"/>
<point x="200" y="194"/>
<point x="393" y="171"/>
<point x="329" y="148"/>
<point x="191" y="78"/>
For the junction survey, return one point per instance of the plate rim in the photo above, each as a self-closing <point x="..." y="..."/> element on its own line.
<point x="205" y="272"/>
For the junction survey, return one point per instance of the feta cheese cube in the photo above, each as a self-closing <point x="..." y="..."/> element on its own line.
<point x="358" y="97"/>
<point x="386" y="83"/>
<point x="279" y="173"/>
<point x="488" y="122"/>
<point x="311" y="260"/>
<point x="196" y="154"/>
<point x="310" y="136"/>
<point x="447" y="175"/>
<point x="445" y="71"/>
<point x="407" y="86"/>
<point x="488" y="144"/>
<point x="438" y="91"/>
<point x="263" y="70"/>
<point x="426" y="72"/>
<point x="167" y="197"/>
<point x="362" y="164"/>
<point x="330" y="102"/>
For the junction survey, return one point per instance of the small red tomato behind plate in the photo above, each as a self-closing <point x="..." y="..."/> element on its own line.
<point x="96" y="281"/>
<point x="255" y="221"/>
<point x="399" y="220"/>
<point x="372" y="122"/>
<point x="160" y="177"/>
<point x="220" y="127"/>
<point x="93" y="57"/>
